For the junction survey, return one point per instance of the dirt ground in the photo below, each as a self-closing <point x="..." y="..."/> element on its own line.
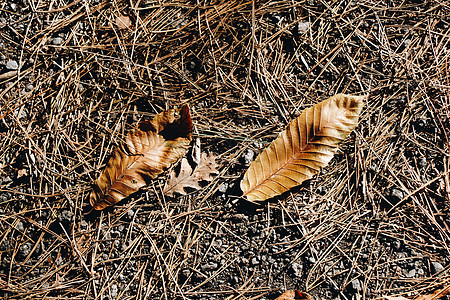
<point x="76" y="76"/>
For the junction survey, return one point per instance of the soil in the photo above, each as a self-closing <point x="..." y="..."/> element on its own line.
<point x="76" y="76"/>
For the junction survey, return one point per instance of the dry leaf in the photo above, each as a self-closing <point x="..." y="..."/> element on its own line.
<point x="123" y="22"/>
<point x="190" y="176"/>
<point x="303" y="148"/>
<point x="294" y="295"/>
<point x="146" y="152"/>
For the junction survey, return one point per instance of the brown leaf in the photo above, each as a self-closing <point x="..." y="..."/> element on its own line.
<point x="123" y="22"/>
<point x="190" y="175"/>
<point x="146" y="152"/>
<point x="294" y="295"/>
<point x="303" y="148"/>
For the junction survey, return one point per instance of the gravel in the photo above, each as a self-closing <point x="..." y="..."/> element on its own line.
<point x="436" y="267"/>
<point x="348" y="233"/>
<point x="12" y="65"/>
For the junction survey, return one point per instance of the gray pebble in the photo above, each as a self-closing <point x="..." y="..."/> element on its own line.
<point x="312" y="260"/>
<point x="422" y="162"/>
<point x="24" y="250"/>
<point x="19" y="226"/>
<point x="303" y="27"/>
<point x="12" y="65"/>
<point x="356" y="285"/>
<point x="255" y="261"/>
<point x="65" y="215"/>
<point x="57" y="41"/>
<point x="130" y="214"/>
<point x="297" y="269"/>
<point x="223" y="188"/>
<point x="114" y="290"/>
<point x="436" y="267"/>
<point x="248" y="156"/>
<point x="411" y="273"/>
<point x="397" y="194"/>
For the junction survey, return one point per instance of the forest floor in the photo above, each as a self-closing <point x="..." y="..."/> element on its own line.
<point x="76" y="76"/>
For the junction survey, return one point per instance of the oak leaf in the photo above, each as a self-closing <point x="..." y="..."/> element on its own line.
<point x="306" y="145"/>
<point x="187" y="174"/>
<point x="294" y="295"/>
<point x="147" y="151"/>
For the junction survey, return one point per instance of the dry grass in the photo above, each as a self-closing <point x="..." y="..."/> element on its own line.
<point x="246" y="69"/>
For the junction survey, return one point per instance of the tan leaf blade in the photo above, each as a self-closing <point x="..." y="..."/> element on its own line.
<point x="189" y="176"/>
<point x="147" y="151"/>
<point x="294" y="295"/>
<point x="306" y="145"/>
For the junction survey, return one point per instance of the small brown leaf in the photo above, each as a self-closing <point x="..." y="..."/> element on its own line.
<point x="123" y="22"/>
<point x="147" y="151"/>
<point x="303" y="148"/>
<point x="190" y="175"/>
<point x="294" y="295"/>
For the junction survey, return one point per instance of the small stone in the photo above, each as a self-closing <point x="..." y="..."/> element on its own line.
<point x="248" y="156"/>
<point x="19" y="226"/>
<point x="12" y="65"/>
<point x="356" y="285"/>
<point x="223" y="188"/>
<point x="436" y="267"/>
<point x="411" y="273"/>
<point x="130" y="214"/>
<point x="312" y="260"/>
<point x="24" y="250"/>
<point x="303" y="27"/>
<point x="422" y="162"/>
<point x="254" y="261"/>
<point x="57" y="41"/>
<point x="297" y="269"/>
<point x="397" y="194"/>
<point x="114" y="290"/>
<point x="65" y="215"/>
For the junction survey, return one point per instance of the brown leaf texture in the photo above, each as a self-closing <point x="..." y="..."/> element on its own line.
<point x="189" y="176"/>
<point x="147" y="151"/>
<point x="306" y="145"/>
<point x="294" y="295"/>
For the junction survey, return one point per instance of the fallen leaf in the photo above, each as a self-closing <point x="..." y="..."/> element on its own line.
<point x="294" y="295"/>
<point x="303" y="148"/>
<point x="147" y="151"/>
<point x="188" y="174"/>
<point x="123" y="22"/>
